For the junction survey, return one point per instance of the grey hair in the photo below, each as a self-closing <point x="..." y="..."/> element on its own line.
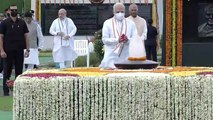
<point x="117" y="4"/>
<point x="63" y="10"/>
<point x="133" y="5"/>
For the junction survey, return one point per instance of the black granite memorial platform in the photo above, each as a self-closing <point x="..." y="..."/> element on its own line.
<point x="147" y="64"/>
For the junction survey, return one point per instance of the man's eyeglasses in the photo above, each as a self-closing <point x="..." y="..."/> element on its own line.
<point x="13" y="10"/>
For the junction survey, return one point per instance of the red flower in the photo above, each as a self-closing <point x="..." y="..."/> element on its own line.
<point x="123" y="38"/>
<point x="49" y="75"/>
<point x="10" y="84"/>
<point x="205" y="73"/>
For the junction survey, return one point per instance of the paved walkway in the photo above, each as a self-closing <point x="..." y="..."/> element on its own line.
<point x="6" y="115"/>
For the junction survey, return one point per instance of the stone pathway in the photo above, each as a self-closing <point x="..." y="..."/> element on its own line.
<point x="6" y="115"/>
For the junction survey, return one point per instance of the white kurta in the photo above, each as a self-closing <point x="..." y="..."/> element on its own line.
<point x="63" y="50"/>
<point x="110" y="38"/>
<point x="33" y="57"/>
<point x="137" y="47"/>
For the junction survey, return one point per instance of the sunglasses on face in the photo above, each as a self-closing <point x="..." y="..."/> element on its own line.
<point x="13" y="10"/>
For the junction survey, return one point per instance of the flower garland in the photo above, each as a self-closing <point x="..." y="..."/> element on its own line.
<point x="110" y="98"/>
<point x="168" y="32"/>
<point x="179" y="32"/>
<point x="96" y="72"/>
<point x="49" y="75"/>
<point x="210" y="73"/>
<point x="173" y="32"/>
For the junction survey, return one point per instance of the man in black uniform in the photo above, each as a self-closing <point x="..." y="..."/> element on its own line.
<point x="151" y="44"/>
<point x="14" y="38"/>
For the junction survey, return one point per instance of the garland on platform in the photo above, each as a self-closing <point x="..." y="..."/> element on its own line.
<point x="173" y="32"/>
<point x="179" y="33"/>
<point x="37" y="12"/>
<point x="168" y="32"/>
<point x="96" y="72"/>
<point x="156" y="97"/>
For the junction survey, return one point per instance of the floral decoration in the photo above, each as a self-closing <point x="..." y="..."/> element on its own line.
<point x="137" y="59"/>
<point x="94" y="71"/>
<point x="48" y="75"/>
<point x="158" y="94"/>
<point x="174" y="32"/>
<point x="205" y="73"/>
<point x="179" y="32"/>
<point x="168" y="32"/>
<point x="10" y="84"/>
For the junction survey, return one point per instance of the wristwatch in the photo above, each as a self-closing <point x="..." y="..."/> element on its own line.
<point x="28" y="50"/>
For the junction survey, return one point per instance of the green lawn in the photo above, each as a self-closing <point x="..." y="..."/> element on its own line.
<point x="6" y="103"/>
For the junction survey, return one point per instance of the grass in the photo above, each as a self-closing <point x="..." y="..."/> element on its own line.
<point x="6" y="103"/>
<point x="45" y="54"/>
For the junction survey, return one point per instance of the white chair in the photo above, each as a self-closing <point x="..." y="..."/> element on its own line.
<point x="82" y="49"/>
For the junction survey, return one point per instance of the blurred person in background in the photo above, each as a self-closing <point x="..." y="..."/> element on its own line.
<point x="2" y="17"/>
<point x="152" y="42"/>
<point x="36" y="41"/>
<point x="7" y="12"/>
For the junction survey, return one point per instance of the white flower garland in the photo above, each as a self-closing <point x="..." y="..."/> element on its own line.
<point x="149" y="96"/>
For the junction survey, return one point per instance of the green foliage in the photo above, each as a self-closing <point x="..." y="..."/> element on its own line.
<point x="98" y="45"/>
<point x="82" y="62"/>
<point x="47" y="53"/>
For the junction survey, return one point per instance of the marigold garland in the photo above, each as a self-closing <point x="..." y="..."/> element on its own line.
<point x="179" y="32"/>
<point x="82" y="72"/>
<point x="137" y="59"/>
<point x="173" y="32"/>
<point x="168" y="32"/>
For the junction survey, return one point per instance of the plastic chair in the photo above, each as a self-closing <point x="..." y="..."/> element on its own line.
<point x="82" y="49"/>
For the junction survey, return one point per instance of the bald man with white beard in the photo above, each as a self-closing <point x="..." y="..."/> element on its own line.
<point x="115" y="31"/>
<point x="63" y="29"/>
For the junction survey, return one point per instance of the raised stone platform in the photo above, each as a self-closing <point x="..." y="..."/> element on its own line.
<point x="147" y="64"/>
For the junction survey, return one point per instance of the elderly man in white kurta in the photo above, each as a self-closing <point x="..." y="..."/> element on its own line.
<point x="117" y="32"/>
<point x="63" y="29"/>
<point x="137" y="47"/>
